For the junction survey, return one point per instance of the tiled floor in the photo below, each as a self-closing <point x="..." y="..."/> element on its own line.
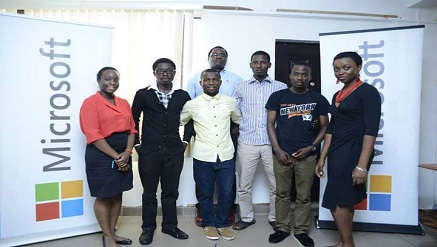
<point x="254" y="236"/>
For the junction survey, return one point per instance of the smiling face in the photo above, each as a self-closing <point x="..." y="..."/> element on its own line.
<point x="300" y="76"/>
<point x="109" y="81"/>
<point x="346" y="70"/>
<point x="260" y="66"/>
<point x="210" y="82"/>
<point x="217" y="59"/>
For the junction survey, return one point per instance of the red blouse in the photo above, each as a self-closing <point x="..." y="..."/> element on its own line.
<point x="99" y="118"/>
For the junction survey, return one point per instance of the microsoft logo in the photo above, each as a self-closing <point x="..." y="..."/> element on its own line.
<point x="379" y="189"/>
<point x="58" y="200"/>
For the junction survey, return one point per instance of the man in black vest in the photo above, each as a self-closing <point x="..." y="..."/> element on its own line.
<point x="161" y="152"/>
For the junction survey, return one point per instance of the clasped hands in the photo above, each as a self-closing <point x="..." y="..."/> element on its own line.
<point x="285" y="159"/>
<point x="122" y="161"/>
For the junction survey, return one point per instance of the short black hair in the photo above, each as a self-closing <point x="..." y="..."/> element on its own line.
<point x="218" y="47"/>
<point x="210" y="71"/>
<point x="163" y="60"/>
<point x="99" y="74"/>
<point x="262" y="53"/>
<point x="350" y="54"/>
<point x="303" y="63"/>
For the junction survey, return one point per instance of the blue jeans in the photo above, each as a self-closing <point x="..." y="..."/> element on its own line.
<point x="206" y="175"/>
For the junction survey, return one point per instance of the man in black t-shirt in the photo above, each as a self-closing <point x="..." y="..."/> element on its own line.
<point x="294" y="111"/>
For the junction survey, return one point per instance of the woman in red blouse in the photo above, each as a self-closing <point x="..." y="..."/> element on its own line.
<point x="107" y="123"/>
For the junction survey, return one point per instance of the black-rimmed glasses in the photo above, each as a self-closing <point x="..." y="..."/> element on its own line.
<point x="216" y="55"/>
<point x="168" y="71"/>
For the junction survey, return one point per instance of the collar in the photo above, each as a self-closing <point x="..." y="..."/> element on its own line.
<point x="267" y="79"/>
<point x="154" y="86"/>
<point x="223" y="71"/>
<point x="209" y="98"/>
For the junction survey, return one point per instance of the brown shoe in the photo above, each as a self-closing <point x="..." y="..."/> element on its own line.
<point x="211" y="233"/>
<point x="241" y="225"/>
<point x="226" y="233"/>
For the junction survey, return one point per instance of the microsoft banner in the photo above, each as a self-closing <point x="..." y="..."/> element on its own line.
<point x="47" y="69"/>
<point x="392" y="63"/>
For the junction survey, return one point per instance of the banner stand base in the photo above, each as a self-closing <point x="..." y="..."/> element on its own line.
<point x="374" y="227"/>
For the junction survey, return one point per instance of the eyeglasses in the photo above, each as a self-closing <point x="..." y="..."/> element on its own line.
<point x="161" y="72"/>
<point x="216" y="55"/>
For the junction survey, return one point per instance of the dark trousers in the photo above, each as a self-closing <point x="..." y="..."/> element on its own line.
<point x="164" y="166"/>
<point x="234" y="206"/>
<point x="206" y="175"/>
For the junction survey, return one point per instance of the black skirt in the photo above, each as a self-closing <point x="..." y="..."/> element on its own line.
<point x="104" y="179"/>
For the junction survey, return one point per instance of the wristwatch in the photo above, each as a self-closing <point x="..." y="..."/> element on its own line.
<point x="314" y="148"/>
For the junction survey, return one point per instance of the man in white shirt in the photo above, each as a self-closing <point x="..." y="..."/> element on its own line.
<point x="253" y="143"/>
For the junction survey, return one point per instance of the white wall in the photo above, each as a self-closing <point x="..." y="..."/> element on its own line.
<point x="243" y="32"/>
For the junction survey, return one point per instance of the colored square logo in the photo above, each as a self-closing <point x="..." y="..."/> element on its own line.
<point x="46" y="192"/>
<point x="59" y="200"/>
<point x="380" y="202"/>
<point x="72" y="208"/>
<point x="379" y="189"/>
<point x="47" y="211"/>
<point x="71" y="189"/>
<point x="380" y="183"/>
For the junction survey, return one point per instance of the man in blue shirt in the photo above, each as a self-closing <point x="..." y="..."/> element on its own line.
<point x="217" y="58"/>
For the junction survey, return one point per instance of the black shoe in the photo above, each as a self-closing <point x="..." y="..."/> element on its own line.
<point x="278" y="236"/>
<point x="241" y="225"/>
<point x="175" y="232"/>
<point x="146" y="237"/>
<point x="124" y="241"/>
<point x="273" y="224"/>
<point x="304" y="239"/>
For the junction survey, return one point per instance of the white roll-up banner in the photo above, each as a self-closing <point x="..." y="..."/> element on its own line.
<point x="392" y="63"/>
<point x="47" y="69"/>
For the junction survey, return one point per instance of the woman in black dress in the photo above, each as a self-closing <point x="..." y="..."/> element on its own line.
<point x="349" y="141"/>
<point x="107" y="122"/>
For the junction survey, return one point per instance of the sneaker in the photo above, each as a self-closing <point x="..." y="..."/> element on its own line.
<point x="278" y="236"/>
<point x="211" y="233"/>
<point x="226" y="233"/>
<point x="241" y="225"/>
<point x="304" y="240"/>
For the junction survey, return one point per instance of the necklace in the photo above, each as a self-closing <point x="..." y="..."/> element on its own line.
<point x="340" y="96"/>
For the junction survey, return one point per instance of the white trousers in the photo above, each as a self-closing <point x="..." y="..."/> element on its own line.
<point x="248" y="158"/>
